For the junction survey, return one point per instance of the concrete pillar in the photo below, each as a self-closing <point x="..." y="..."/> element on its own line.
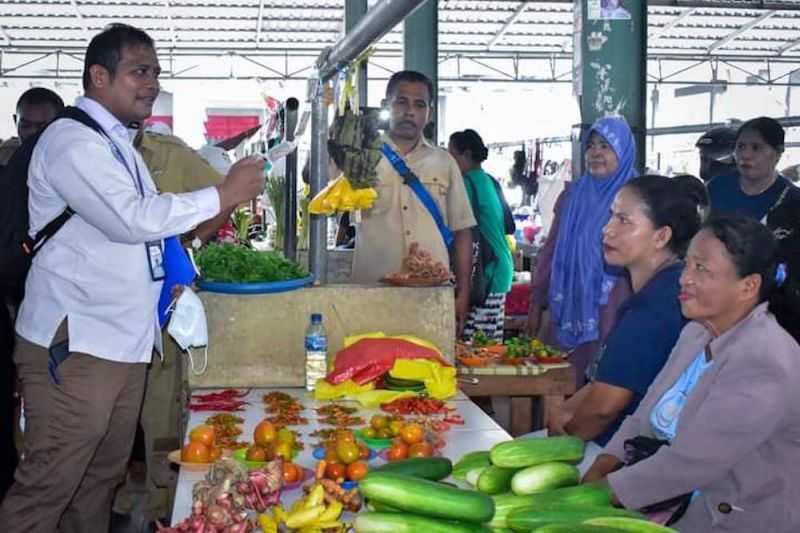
<point x="421" y="48"/>
<point x="611" y="64"/>
<point x="353" y="12"/>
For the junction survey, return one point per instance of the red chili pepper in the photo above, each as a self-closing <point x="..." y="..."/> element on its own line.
<point x="226" y="405"/>
<point x="227" y="394"/>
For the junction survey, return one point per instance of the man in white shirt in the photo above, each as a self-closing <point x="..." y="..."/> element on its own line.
<point x="96" y="284"/>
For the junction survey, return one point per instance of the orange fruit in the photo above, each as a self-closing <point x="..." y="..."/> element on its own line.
<point x="256" y="453"/>
<point x="214" y="453"/>
<point x="345" y="435"/>
<point x="265" y="433"/>
<point x="203" y="433"/>
<point x="420" y="449"/>
<point x="291" y="473"/>
<point x="411" y="433"/>
<point x="195" y="452"/>
<point x="335" y="471"/>
<point x="356" y="471"/>
<point x="330" y="454"/>
<point x="397" y="451"/>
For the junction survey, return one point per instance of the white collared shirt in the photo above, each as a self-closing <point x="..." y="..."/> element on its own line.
<point x="95" y="271"/>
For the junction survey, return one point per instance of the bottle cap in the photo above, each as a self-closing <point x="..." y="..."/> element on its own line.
<point x="316" y="317"/>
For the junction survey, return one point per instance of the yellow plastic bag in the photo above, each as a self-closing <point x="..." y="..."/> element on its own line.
<point x="440" y="380"/>
<point x="374" y="398"/>
<point x="325" y="391"/>
<point x="339" y="196"/>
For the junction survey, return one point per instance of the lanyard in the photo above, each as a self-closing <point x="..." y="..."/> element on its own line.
<point x="137" y="179"/>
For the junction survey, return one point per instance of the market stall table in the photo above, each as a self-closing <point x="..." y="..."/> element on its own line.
<point x="479" y="432"/>
<point x="524" y="384"/>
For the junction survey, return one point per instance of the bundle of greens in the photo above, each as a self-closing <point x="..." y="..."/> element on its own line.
<point x="237" y="264"/>
<point x="356" y="148"/>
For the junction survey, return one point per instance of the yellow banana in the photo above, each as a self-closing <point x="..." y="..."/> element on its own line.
<point x="332" y="512"/>
<point x="315" y="497"/>
<point x="267" y="523"/>
<point x="304" y="517"/>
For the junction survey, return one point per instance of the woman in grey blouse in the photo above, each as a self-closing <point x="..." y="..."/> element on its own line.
<point x="727" y="403"/>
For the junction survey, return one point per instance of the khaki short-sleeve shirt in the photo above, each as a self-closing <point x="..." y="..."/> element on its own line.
<point x="174" y="166"/>
<point x="399" y="218"/>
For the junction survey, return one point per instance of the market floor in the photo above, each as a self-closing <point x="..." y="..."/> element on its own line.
<point x="135" y="522"/>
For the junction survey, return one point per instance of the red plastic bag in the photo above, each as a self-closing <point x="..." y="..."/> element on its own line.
<point x="369" y="359"/>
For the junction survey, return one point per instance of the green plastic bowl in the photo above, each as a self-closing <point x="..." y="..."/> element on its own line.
<point x="375" y="444"/>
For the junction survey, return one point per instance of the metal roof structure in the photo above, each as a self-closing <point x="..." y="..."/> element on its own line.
<point x="488" y="40"/>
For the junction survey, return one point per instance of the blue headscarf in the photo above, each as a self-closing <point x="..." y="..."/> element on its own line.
<point x="580" y="282"/>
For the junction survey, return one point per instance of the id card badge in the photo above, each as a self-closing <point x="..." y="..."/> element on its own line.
<point x="155" y="258"/>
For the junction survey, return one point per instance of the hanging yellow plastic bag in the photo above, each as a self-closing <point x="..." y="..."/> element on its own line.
<point x="339" y="196"/>
<point x="440" y="380"/>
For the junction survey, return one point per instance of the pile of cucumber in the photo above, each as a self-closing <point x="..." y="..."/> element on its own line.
<point x="535" y="487"/>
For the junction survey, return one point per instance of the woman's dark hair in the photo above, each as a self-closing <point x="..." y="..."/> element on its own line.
<point x="769" y="129"/>
<point x="469" y="140"/>
<point x="105" y="49"/>
<point x="674" y="203"/>
<point x="754" y="250"/>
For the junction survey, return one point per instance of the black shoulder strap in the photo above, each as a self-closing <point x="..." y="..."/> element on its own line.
<point x="31" y="245"/>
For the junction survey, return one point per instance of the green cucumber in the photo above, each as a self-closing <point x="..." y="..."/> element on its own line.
<point x="582" y="495"/>
<point x="495" y="479"/>
<point x="575" y="528"/>
<point x="400" y="382"/>
<point x="409" y="523"/>
<point x="520" y="453"/>
<point x="526" y="519"/>
<point x="433" y="468"/>
<point x="635" y="525"/>
<point x="381" y="508"/>
<point x="474" y="475"/>
<point x="544" y="477"/>
<point x="428" y="498"/>
<point x="468" y="462"/>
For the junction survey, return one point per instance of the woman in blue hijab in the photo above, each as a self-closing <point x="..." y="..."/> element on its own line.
<point x="571" y="280"/>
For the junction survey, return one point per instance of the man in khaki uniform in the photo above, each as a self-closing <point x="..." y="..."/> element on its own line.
<point x="36" y="107"/>
<point x="398" y="217"/>
<point x="175" y="168"/>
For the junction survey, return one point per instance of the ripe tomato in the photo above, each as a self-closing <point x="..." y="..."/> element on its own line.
<point x="356" y="471"/>
<point x="265" y="433"/>
<point x="204" y="434"/>
<point x="291" y="473"/>
<point x="335" y="471"/>
<point x="397" y="451"/>
<point x="347" y="451"/>
<point x="256" y="453"/>
<point x="363" y="452"/>
<point x="420" y="449"/>
<point x="214" y="453"/>
<point x="411" y="433"/>
<point x="378" y="421"/>
<point x="195" y="452"/>
<point x="330" y="454"/>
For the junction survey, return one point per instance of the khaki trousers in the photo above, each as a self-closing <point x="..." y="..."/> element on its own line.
<point x="78" y="438"/>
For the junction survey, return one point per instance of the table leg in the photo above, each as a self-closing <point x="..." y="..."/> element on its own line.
<point x="550" y="403"/>
<point x="521" y="415"/>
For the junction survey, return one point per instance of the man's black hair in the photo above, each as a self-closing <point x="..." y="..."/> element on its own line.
<point x="411" y="76"/>
<point x="105" y="49"/>
<point x="38" y="96"/>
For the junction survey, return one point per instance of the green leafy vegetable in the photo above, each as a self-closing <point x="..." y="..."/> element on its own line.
<point x="237" y="264"/>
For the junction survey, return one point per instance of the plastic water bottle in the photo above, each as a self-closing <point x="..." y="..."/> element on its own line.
<point x="316" y="351"/>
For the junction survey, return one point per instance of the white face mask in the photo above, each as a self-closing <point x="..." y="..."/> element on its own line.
<point x="188" y="326"/>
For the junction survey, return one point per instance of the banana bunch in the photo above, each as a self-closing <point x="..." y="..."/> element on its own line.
<point x="308" y="515"/>
<point x="355" y="147"/>
<point x="340" y="196"/>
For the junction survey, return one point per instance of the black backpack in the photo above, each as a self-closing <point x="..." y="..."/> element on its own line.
<point x="17" y="248"/>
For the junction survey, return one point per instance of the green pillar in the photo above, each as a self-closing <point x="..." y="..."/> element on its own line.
<point x="353" y="12"/>
<point x="611" y="64"/>
<point x="421" y="48"/>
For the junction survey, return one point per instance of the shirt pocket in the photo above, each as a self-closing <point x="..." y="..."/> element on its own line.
<point x="437" y="187"/>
